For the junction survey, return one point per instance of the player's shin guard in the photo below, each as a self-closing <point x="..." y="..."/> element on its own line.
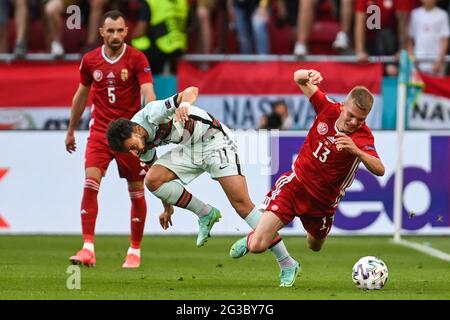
<point x="138" y="215"/>
<point x="89" y="208"/>
<point x="174" y="193"/>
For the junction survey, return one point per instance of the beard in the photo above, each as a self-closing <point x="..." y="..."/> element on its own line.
<point x="115" y="46"/>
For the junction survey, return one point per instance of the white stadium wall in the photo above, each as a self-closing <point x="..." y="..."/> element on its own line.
<point x="41" y="187"/>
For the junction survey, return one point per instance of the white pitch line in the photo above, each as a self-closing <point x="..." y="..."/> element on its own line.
<point x="424" y="249"/>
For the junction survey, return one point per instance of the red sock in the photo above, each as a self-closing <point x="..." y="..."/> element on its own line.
<point x="275" y="241"/>
<point x="138" y="215"/>
<point x="89" y="209"/>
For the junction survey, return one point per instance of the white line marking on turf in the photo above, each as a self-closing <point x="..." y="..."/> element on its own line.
<point x="424" y="249"/>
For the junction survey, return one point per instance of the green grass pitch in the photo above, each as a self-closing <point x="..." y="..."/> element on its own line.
<point x="34" y="267"/>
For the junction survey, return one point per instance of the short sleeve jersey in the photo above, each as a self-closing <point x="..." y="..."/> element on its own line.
<point x="324" y="171"/>
<point x="157" y="118"/>
<point x="115" y="84"/>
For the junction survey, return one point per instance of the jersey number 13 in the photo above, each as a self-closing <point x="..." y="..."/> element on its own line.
<point x="320" y="154"/>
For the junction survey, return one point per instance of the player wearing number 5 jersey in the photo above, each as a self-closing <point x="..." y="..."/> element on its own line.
<point x="117" y="75"/>
<point x="338" y="141"/>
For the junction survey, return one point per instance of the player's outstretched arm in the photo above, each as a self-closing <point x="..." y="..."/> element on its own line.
<point x="307" y="81"/>
<point x="78" y="105"/>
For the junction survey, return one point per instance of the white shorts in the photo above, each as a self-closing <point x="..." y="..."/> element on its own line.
<point x="218" y="156"/>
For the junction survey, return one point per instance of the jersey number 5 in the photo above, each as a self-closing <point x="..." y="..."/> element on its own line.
<point x="323" y="156"/>
<point x="111" y="95"/>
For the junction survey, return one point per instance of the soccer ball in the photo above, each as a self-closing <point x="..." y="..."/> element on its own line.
<point x="370" y="273"/>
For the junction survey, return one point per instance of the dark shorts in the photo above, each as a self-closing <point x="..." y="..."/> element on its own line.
<point x="289" y="199"/>
<point x="4" y="12"/>
<point x="99" y="155"/>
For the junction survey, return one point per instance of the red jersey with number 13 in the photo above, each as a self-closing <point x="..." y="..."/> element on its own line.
<point x="115" y="84"/>
<point x="323" y="171"/>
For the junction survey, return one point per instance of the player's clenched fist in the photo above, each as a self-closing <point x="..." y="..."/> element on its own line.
<point x="303" y="76"/>
<point x="182" y="112"/>
<point x="344" y="142"/>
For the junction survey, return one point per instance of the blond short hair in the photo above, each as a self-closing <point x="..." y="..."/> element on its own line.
<point x="362" y="98"/>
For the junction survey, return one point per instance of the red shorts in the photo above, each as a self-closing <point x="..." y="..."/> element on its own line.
<point x="289" y="199"/>
<point x="99" y="155"/>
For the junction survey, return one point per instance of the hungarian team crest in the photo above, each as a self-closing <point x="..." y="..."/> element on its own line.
<point x="97" y="75"/>
<point x="124" y="74"/>
<point x="322" y="128"/>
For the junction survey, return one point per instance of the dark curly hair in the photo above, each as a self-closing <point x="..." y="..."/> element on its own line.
<point x="118" y="131"/>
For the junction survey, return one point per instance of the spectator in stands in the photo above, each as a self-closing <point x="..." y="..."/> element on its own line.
<point x="304" y="25"/>
<point x="387" y="38"/>
<point x="429" y="34"/>
<point x="386" y="31"/>
<point x="345" y="13"/>
<point x="279" y="118"/>
<point x="160" y="33"/>
<point x="251" y="18"/>
<point x="20" y="18"/>
<point x="96" y="11"/>
<point x="306" y="15"/>
<point x="204" y="12"/>
<point x="4" y="11"/>
<point x="53" y="10"/>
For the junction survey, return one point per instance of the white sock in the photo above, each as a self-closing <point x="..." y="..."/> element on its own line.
<point x="283" y="257"/>
<point x="206" y="208"/>
<point x="172" y="192"/>
<point x="134" y="251"/>
<point x="253" y="218"/>
<point x="279" y="250"/>
<point x="89" y="246"/>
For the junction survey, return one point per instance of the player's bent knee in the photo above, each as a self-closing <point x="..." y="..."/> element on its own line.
<point x="152" y="182"/>
<point x="315" y="246"/>
<point x="258" y="244"/>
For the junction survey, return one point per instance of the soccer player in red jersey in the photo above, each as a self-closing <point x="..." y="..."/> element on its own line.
<point x="118" y="75"/>
<point x="338" y="141"/>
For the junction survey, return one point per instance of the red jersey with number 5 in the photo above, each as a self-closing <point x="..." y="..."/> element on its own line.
<point x="325" y="172"/>
<point x="115" y="84"/>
